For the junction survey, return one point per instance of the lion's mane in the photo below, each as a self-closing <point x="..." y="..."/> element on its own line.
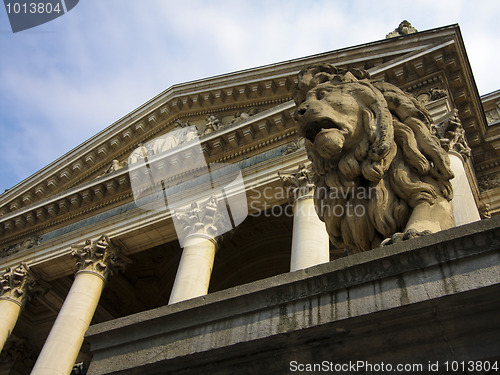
<point x="396" y="157"/>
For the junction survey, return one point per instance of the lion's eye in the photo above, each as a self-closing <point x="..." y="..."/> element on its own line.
<point x="320" y="94"/>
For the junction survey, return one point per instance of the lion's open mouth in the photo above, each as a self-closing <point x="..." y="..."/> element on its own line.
<point x="314" y="128"/>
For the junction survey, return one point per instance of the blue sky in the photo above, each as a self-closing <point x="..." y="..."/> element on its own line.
<point x="64" y="81"/>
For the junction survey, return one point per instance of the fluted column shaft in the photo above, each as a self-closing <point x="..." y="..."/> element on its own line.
<point x="9" y="313"/>
<point x="464" y="205"/>
<point x="200" y="223"/>
<point x="15" y="284"/>
<point x="195" y="268"/>
<point x="451" y="134"/>
<point x="310" y="241"/>
<point x="65" y="339"/>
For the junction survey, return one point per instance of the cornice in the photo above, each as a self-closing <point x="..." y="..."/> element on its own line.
<point x="261" y="131"/>
<point x="434" y="55"/>
<point x="237" y="89"/>
<point x="135" y="229"/>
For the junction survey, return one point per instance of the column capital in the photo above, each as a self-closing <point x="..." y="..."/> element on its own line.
<point x="17" y="283"/>
<point x="99" y="257"/>
<point x="203" y="219"/>
<point x="298" y="182"/>
<point x="451" y="134"/>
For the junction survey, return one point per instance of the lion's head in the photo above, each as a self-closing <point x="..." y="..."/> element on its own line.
<point x="372" y="149"/>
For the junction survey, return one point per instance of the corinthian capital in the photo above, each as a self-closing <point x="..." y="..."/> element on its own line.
<point x="16" y="283"/>
<point x="99" y="257"/>
<point x="202" y="218"/>
<point x="298" y="182"/>
<point x="451" y="134"/>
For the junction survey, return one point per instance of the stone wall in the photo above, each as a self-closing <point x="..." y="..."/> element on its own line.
<point x="422" y="302"/>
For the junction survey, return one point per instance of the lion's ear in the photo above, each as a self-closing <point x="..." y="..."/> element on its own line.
<point x="369" y="124"/>
<point x="380" y="131"/>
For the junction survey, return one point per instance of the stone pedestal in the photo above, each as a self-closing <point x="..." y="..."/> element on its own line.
<point x="15" y="286"/>
<point x="423" y="301"/>
<point x="66" y="336"/>
<point x="310" y="242"/>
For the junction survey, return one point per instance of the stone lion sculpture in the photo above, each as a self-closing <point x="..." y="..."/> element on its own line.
<point x="380" y="175"/>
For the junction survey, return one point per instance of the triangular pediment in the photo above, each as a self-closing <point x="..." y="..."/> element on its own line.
<point x="237" y="115"/>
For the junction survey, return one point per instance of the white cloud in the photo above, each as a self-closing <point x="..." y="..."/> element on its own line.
<point x="70" y="78"/>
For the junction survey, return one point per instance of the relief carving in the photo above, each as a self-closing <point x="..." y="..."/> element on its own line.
<point x="430" y="95"/>
<point x="493" y="115"/>
<point x="25" y="245"/>
<point x="488" y="182"/>
<point x="164" y="143"/>
<point x="213" y="124"/>
<point x="240" y="117"/>
<point x="371" y="149"/>
<point x="294" y="146"/>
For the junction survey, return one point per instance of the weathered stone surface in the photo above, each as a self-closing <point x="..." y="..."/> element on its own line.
<point x="17" y="284"/>
<point x="379" y="170"/>
<point x="404" y="28"/>
<point x="433" y="298"/>
<point x="99" y="257"/>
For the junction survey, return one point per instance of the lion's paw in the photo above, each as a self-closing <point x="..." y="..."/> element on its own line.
<point x="400" y="237"/>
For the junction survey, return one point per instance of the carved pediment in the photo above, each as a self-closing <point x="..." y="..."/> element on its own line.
<point x="235" y="116"/>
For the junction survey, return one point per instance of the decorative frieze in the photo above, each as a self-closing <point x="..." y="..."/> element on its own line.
<point x="294" y="146"/>
<point x="493" y="115"/>
<point x="17" y="283"/>
<point x="489" y="182"/>
<point x="24" y="245"/>
<point x="99" y="257"/>
<point x="212" y="124"/>
<point x="241" y="116"/>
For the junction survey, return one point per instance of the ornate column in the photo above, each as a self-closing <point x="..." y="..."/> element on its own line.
<point x="16" y="284"/>
<point x="310" y="241"/>
<point x="96" y="260"/>
<point x="452" y="137"/>
<point x="200" y="227"/>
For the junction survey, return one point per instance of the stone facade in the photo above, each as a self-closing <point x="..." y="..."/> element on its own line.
<point x="225" y="301"/>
